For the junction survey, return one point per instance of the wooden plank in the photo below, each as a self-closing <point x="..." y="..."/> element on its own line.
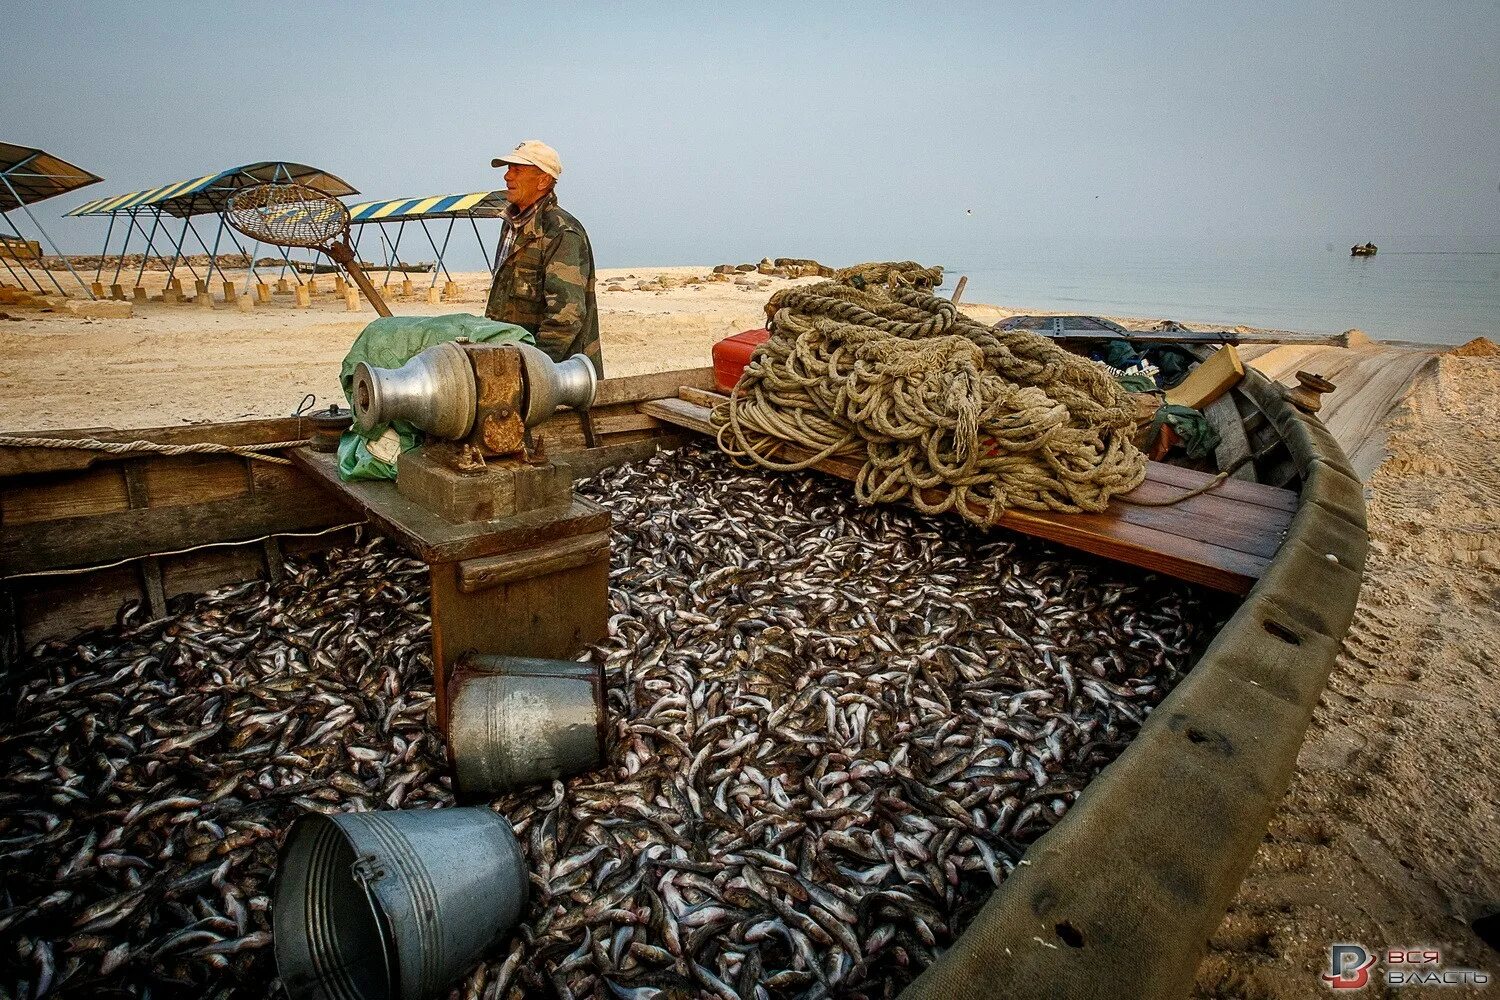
<point x="656" y="385"/>
<point x="1173" y="540"/>
<point x="1224" y="417"/>
<point x="103" y="538"/>
<point x="1212" y="378"/>
<point x="53" y="496"/>
<point x="565" y="432"/>
<point x="23" y="461"/>
<point x="590" y="461"/>
<point x="491" y="571"/>
<point x="701" y="397"/>
<point x="624" y="423"/>
<point x="432" y="539"/>
<point x="181" y="480"/>
<point x="1257" y="494"/>
<point x="195" y="572"/>
<point x="60" y="607"/>
<point x="271" y="552"/>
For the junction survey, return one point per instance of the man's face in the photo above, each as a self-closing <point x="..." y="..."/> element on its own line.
<point x="525" y="185"/>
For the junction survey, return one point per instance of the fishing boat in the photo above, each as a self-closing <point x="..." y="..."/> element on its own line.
<point x="1368" y="250"/>
<point x="1119" y="898"/>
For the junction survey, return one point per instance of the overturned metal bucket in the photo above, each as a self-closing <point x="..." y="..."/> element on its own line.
<point x="514" y="721"/>
<point x="393" y="905"/>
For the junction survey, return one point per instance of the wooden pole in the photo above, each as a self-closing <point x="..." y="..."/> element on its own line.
<point x="958" y="290"/>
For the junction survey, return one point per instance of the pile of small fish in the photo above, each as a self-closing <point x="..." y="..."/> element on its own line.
<point x="147" y="773"/>
<point x="835" y="729"/>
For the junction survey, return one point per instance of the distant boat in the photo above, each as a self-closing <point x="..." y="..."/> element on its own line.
<point x="1368" y="250"/>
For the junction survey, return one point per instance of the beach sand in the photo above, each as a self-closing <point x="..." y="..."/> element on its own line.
<point x="1389" y="835"/>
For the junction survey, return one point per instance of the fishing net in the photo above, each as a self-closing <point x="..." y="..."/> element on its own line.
<point x="938" y="408"/>
<point x="288" y="215"/>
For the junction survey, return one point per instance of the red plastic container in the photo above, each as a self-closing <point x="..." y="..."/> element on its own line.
<point x="732" y="354"/>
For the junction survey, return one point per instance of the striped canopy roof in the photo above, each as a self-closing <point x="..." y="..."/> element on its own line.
<point x="211" y="192"/>
<point x="480" y="203"/>
<point x="36" y="176"/>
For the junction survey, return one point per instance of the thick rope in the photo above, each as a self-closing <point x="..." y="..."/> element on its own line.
<point x="873" y="367"/>
<point x="131" y="447"/>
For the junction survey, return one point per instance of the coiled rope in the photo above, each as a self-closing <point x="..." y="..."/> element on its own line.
<point x="872" y="366"/>
<point x="130" y="447"/>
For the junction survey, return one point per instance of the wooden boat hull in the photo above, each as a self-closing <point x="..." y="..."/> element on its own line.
<point x="1119" y="899"/>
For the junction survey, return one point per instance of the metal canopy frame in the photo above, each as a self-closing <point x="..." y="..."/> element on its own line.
<point x="196" y="197"/>
<point x="29" y="175"/>
<point x="452" y="208"/>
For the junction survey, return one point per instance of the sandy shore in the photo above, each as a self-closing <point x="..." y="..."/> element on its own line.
<point x="1389" y="835"/>
<point x="173" y="364"/>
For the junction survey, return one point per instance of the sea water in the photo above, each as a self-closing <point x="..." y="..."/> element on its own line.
<point x="1423" y="296"/>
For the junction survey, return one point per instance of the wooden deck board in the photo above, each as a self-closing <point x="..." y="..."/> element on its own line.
<point x="434" y="540"/>
<point x="1224" y="539"/>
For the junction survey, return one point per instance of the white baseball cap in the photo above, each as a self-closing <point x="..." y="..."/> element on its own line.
<point x="533" y="153"/>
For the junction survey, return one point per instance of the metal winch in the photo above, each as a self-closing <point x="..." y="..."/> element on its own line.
<point x="483" y="396"/>
<point x="477" y="403"/>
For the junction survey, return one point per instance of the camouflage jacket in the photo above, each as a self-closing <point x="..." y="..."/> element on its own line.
<point x="546" y="284"/>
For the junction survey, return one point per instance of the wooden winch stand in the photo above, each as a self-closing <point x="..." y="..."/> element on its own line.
<point x="528" y="584"/>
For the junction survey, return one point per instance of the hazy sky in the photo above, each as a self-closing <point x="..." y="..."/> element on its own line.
<point x="695" y="133"/>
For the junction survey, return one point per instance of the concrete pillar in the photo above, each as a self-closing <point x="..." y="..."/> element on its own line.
<point x="406" y="288"/>
<point x="434" y="295"/>
<point x="304" y="300"/>
<point x="263" y="292"/>
<point x="283" y="287"/>
<point x="351" y="299"/>
<point x="229" y="294"/>
<point x="245" y="303"/>
<point x="312" y="285"/>
<point x="175" y="284"/>
<point x="450" y="291"/>
<point x="203" y="300"/>
<point x="339" y="284"/>
<point x="117" y="291"/>
<point x="171" y="296"/>
<point x="140" y="294"/>
<point x="200" y="285"/>
<point x="98" y="289"/>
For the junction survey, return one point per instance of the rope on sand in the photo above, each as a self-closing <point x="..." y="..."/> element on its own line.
<point x="132" y="447"/>
<point x="872" y="366"/>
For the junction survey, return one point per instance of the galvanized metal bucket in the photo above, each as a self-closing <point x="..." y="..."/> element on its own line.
<point x="393" y="905"/>
<point x="513" y="721"/>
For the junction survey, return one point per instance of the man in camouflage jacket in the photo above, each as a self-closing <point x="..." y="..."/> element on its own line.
<point x="544" y="273"/>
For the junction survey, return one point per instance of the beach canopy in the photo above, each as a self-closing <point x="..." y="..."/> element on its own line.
<point x="32" y="175"/>
<point x="29" y="175"/>
<point x="479" y="204"/>
<point x="379" y="216"/>
<point x="210" y="194"/>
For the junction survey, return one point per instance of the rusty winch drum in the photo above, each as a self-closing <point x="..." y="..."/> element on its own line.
<point x="436" y="390"/>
